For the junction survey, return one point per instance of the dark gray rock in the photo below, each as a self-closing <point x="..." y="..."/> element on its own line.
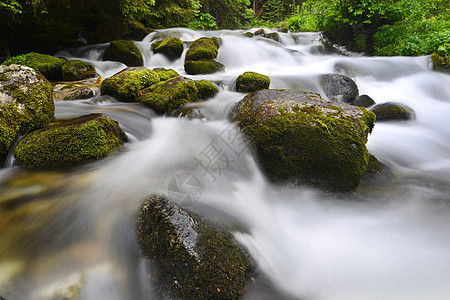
<point x="339" y="88"/>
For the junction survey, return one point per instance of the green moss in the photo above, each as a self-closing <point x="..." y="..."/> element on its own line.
<point x="206" y="89"/>
<point x="69" y="142"/>
<point x="166" y="74"/>
<point x="77" y="70"/>
<point x="252" y="81"/>
<point x="125" y="52"/>
<point x="191" y="258"/>
<point x="167" y="96"/>
<point x="201" y="49"/>
<point x="49" y="66"/>
<point x="313" y="143"/>
<point x="203" y="67"/>
<point x="171" y="47"/>
<point x="7" y="136"/>
<point x="125" y="85"/>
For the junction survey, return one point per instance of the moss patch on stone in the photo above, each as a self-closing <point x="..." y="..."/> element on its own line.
<point x="67" y="142"/>
<point x="125" y="52"/>
<point x="300" y="136"/>
<point x="74" y="70"/>
<point x="206" y="89"/>
<point x="171" y="47"/>
<point x="190" y="258"/>
<point x="252" y="81"/>
<point x="167" y="96"/>
<point x="440" y="62"/>
<point x="203" y="67"/>
<point x="49" y="66"/>
<point x="202" y="48"/>
<point x="392" y="111"/>
<point x="125" y="85"/>
<point x="166" y="74"/>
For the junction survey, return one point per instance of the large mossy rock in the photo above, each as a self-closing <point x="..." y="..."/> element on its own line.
<point x="171" y="47"/>
<point x="252" y="81"/>
<point x="25" y="102"/>
<point x="70" y="142"/>
<point x="301" y="137"/>
<point x="339" y="88"/>
<point x="125" y="52"/>
<point x="49" y="66"/>
<point x="189" y="257"/>
<point x="200" y="57"/>
<point x="392" y="111"/>
<point x="74" y="70"/>
<point x="126" y="84"/>
<point x="167" y="96"/>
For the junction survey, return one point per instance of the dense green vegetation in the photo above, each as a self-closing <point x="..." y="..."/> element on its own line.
<point x="381" y="27"/>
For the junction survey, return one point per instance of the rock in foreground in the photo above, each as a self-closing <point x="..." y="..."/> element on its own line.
<point x="70" y="142"/>
<point x="301" y="137"/>
<point x="190" y="258"/>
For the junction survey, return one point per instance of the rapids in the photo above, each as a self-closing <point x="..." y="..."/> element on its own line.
<point x="389" y="239"/>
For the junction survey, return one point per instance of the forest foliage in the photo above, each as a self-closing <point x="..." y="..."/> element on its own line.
<point x="382" y="27"/>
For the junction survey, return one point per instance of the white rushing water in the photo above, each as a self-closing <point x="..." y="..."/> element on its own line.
<point x="389" y="239"/>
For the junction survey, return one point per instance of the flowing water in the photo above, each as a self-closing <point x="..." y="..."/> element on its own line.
<point x="74" y="229"/>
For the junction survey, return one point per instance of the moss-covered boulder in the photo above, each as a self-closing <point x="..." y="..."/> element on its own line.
<point x="338" y="87"/>
<point x="440" y="61"/>
<point x="171" y="47"/>
<point x="126" y="84"/>
<point x="203" y="67"/>
<point x="49" y="66"/>
<point x="74" y="70"/>
<point x="200" y="57"/>
<point x="363" y="101"/>
<point x="167" y="96"/>
<point x="392" y="111"/>
<point x="166" y="74"/>
<point x="125" y="52"/>
<point x="25" y="102"/>
<point x="252" y="81"/>
<point x="301" y="137"/>
<point x="72" y="92"/>
<point x="206" y="89"/>
<point x="69" y="142"/>
<point x="189" y="257"/>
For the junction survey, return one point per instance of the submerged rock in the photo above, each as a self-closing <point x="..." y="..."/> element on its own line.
<point x="171" y="47"/>
<point x="391" y="111"/>
<point x="49" y="66"/>
<point x="301" y="137"/>
<point x="252" y="81"/>
<point x="25" y="102"/>
<point x="125" y="52"/>
<point x="339" y="88"/>
<point x="190" y="258"/>
<point x="74" y="70"/>
<point x="167" y="96"/>
<point x="200" y="57"/>
<point x="68" y="142"/>
<point x="126" y="84"/>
